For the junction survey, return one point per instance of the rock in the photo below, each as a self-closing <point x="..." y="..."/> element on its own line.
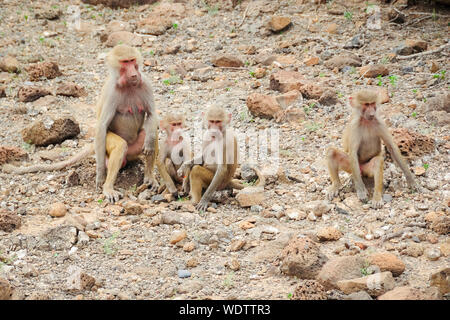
<point x="441" y="280"/>
<point x="263" y="106"/>
<point x="375" y="284"/>
<point x="332" y="28"/>
<point x="118" y="25"/>
<point x="328" y="98"/>
<point x="302" y="258"/>
<point x="189" y="246"/>
<point x="2" y="92"/>
<point x="155" y="25"/>
<point x="124" y="37"/>
<point x="439" y="102"/>
<point x="309" y="290"/>
<point x="433" y="254"/>
<point x="132" y="208"/>
<point x="285" y="81"/>
<point x="227" y="61"/>
<point x="233" y="264"/>
<point x="413" y="250"/>
<point x="172" y="49"/>
<point x="340" y="62"/>
<point x="245" y="225"/>
<point x="313" y="91"/>
<point x="184" y="274"/>
<point x="403" y="50"/>
<point x="360" y="295"/>
<point x="396" y="16"/>
<point x="9" y="64"/>
<point x="9" y="221"/>
<point x="416" y="45"/>
<point x="329" y="234"/>
<point x="250" y="196"/>
<point x="83" y="239"/>
<point x="317" y="207"/>
<point x="79" y="280"/>
<point x="51" y="131"/>
<point x="70" y="89"/>
<point x="409" y="293"/>
<point x="177" y="218"/>
<point x="259" y="73"/>
<point x="387" y="262"/>
<point x="177" y="236"/>
<point x="373" y="71"/>
<point x="57" y="209"/>
<point x="278" y="23"/>
<point x="48" y="13"/>
<point x="192" y="263"/>
<point x="340" y="268"/>
<point x="31" y="93"/>
<point x="356" y="42"/>
<point x="72" y="179"/>
<point x="11" y="153"/>
<point x="59" y="238"/>
<point x="47" y="70"/>
<point x="384" y="95"/>
<point x="6" y="290"/>
<point x="247" y="172"/>
<point x="119" y="3"/>
<point x="445" y="248"/>
<point x="237" y="245"/>
<point x="412" y="145"/>
<point x="441" y="225"/>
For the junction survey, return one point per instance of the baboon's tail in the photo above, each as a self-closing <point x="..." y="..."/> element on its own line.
<point x="86" y="151"/>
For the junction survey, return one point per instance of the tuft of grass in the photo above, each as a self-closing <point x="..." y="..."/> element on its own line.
<point x="109" y="244"/>
<point x="348" y="15"/>
<point x="440" y="75"/>
<point x="175" y="26"/>
<point x="414" y="114"/>
<point x="289" y="296"/>
<point x="380" y="80"/>
<point x="393" y="80"/>
<point x="426" y="166"/>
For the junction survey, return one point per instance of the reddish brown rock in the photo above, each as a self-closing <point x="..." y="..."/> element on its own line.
<point x="9" y="64"/>
<point x="119" y="3"/>
<point x="250" y="196"/>
<point x="264" y="106"/>
<point x="329" y="234"/>
<point x="278" y="23"/>
<point x="441" y="280"/>
<point x="31" y="93"/>
<point x="340" y="62"/>
<point x="340" y="268"/>
<point x="46" y="70"/>
<point x="6" y="290"/>
<point x="11" y="153"/>
<point x="288" y="98"/>
<point x="375" y="284"/>
<point x="124" y="37"/>
<point x="313" y="91"/>
<point x="416" y="45"/>
<point x="309" y="290"/>
<point x="312" y="61"/>
<point x="302" y="258"/>
<point x="441" y="225"/>
<point x="412" y="145"/>
<point x="71" y="89"/>
<point x="9" y="221"/>
<point x="409" y="293"/>
<point x="51" y="132"/>
<point x="387" y="262"/>
<point x="227" y="61"/>
<point x="285" y="81"/>
<point x="2" y="91"/>
<point x="373" y="71"/>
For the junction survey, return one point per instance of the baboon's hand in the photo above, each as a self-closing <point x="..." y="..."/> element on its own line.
<point x="100" y="178"/>
<point x="202" y="205"/>
<point x="362" y="193"/>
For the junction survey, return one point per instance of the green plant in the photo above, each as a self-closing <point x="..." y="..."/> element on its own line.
<point x="175" y="26"/>
<point x="393" y="80"/>
<point x="100" y="201"/>
<point x="289" y="296"/>
<point x="414" y="114"/>
<point x="440" y="75"/>
<point x="426" y="166"/>
<point x="228" y="281"/>
<point x="380" y="80"/>
<point x="108" y="244"/>
<point x="364" y="271"/>
<point x="414" y="90"/>
<point x="348" y="15"/>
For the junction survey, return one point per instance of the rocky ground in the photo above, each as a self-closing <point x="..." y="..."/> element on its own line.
<point x="288" y="65"/>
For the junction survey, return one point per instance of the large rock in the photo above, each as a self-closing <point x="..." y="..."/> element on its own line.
<point x="412" y="145"/>
<point x="416" y="45"/>
<point x="375" y="284"/>
<point x="340" y="268"/>
<point x="9" y="64"/>
<point x="441" y="280"/>
<point x="9" y="221"/>
<point x="387" y="262"/>
<point x="31" y="93"/>
<point x="11" y="153"/>
<point x="440" y="102"/>
<point x="278" y="23"/>
<point x="309" y="290"/>
<point x="161" y="18"/>
<point x="79" y="280"/>
<point x="70" y="89"/>
<point x="409" y="293"/>
<point x="46" y="70"/>
<point x="119" y="3"/>
<point x="340" y="62"/>
<point x="285" y="81"/>
<point x="59" y="238"/>
<point x="329" y="234"/>
<point x="6" y="290"/>
<point x="227" y="61"/>
<point x="50" y="132"/>
<point x="124" y="37"/>
<point x="251" y="196"/>
<point x="264" y="106"/>
<point x="441" y="225"/>
<point x="302" y="258"/>
<point x="373" y="71"/>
